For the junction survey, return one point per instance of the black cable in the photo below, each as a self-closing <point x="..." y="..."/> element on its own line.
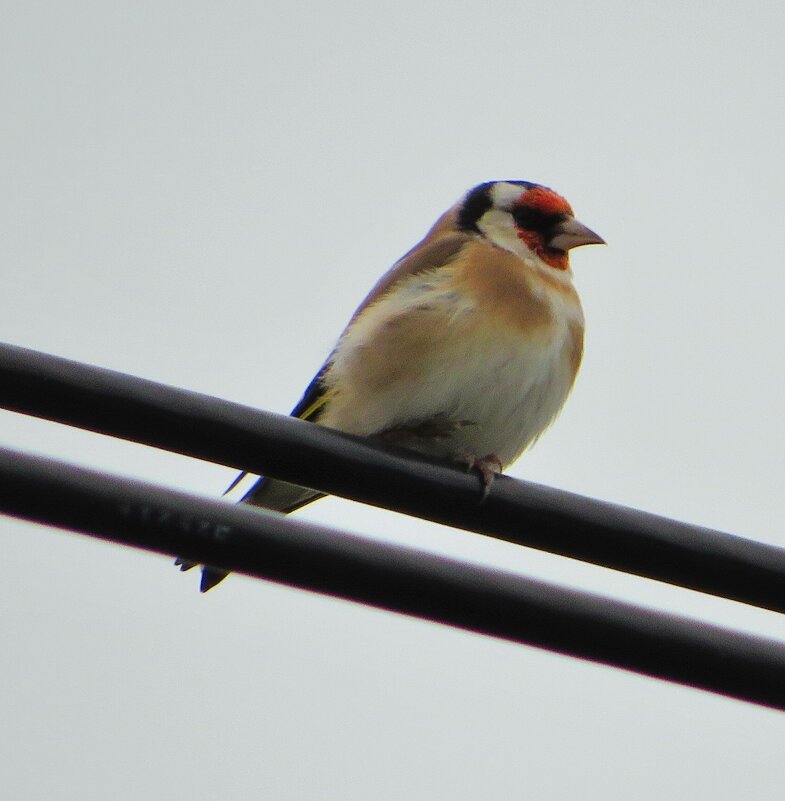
<point x="518" y="511"/>
<point x="269" y="546"/>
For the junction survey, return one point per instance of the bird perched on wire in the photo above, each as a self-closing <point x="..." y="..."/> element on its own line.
<point x="466" y="349"/>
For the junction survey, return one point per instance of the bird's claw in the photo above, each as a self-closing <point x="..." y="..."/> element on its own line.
<point x="489" y="466"/>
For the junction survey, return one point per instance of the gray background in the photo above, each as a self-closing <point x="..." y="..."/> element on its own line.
<point x="200" y="193"/>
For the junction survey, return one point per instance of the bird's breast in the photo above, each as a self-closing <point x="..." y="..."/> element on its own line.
<point x="481" y="343"/>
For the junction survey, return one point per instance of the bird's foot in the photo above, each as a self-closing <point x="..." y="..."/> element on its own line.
<point x="489" y="467"/>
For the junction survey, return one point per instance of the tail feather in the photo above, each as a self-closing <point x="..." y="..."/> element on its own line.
<point x="280" y="496"/>
<point x="237" y="480"/>
<point x="266" y="493"/>
<point x="270" y="493"/>
<point x="211" y="576"/>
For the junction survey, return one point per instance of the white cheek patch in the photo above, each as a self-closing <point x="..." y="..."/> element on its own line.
<point x="498" y="227"/>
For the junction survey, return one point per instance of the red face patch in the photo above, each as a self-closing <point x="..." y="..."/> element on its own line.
<point x="545" y="200"/>
<point x="558" y="259"/>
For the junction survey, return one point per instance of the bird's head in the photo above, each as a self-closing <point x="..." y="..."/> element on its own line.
<point x="526" y="219"/>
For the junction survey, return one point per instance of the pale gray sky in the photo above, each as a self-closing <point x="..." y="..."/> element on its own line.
<point x="200" y="193"/>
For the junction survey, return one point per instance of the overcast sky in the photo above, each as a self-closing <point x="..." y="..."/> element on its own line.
<point x="200" y="193"/>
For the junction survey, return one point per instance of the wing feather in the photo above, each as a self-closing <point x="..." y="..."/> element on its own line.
<point x="440" y="246"/>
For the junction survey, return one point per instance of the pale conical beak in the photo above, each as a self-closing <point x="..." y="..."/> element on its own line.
<point x="571" y="234"/>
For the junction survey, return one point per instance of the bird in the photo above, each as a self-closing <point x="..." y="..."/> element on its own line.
<point x="466" y="349"/>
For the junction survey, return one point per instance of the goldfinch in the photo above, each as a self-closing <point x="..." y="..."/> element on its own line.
<point x="466" y="349"/>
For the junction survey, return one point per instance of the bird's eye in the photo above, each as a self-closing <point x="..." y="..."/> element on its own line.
<point x="531" y="219"/>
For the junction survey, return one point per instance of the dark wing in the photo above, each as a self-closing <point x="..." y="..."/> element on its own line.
<point x="309" y="408"/>
<point x="315" y="396"/>
<point x="445" y="244"/>
<point x="425" y="256"/>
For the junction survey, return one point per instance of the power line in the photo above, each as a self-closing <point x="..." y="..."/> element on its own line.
<point x="517" y="511"/>
<point x="270" y="546"/>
